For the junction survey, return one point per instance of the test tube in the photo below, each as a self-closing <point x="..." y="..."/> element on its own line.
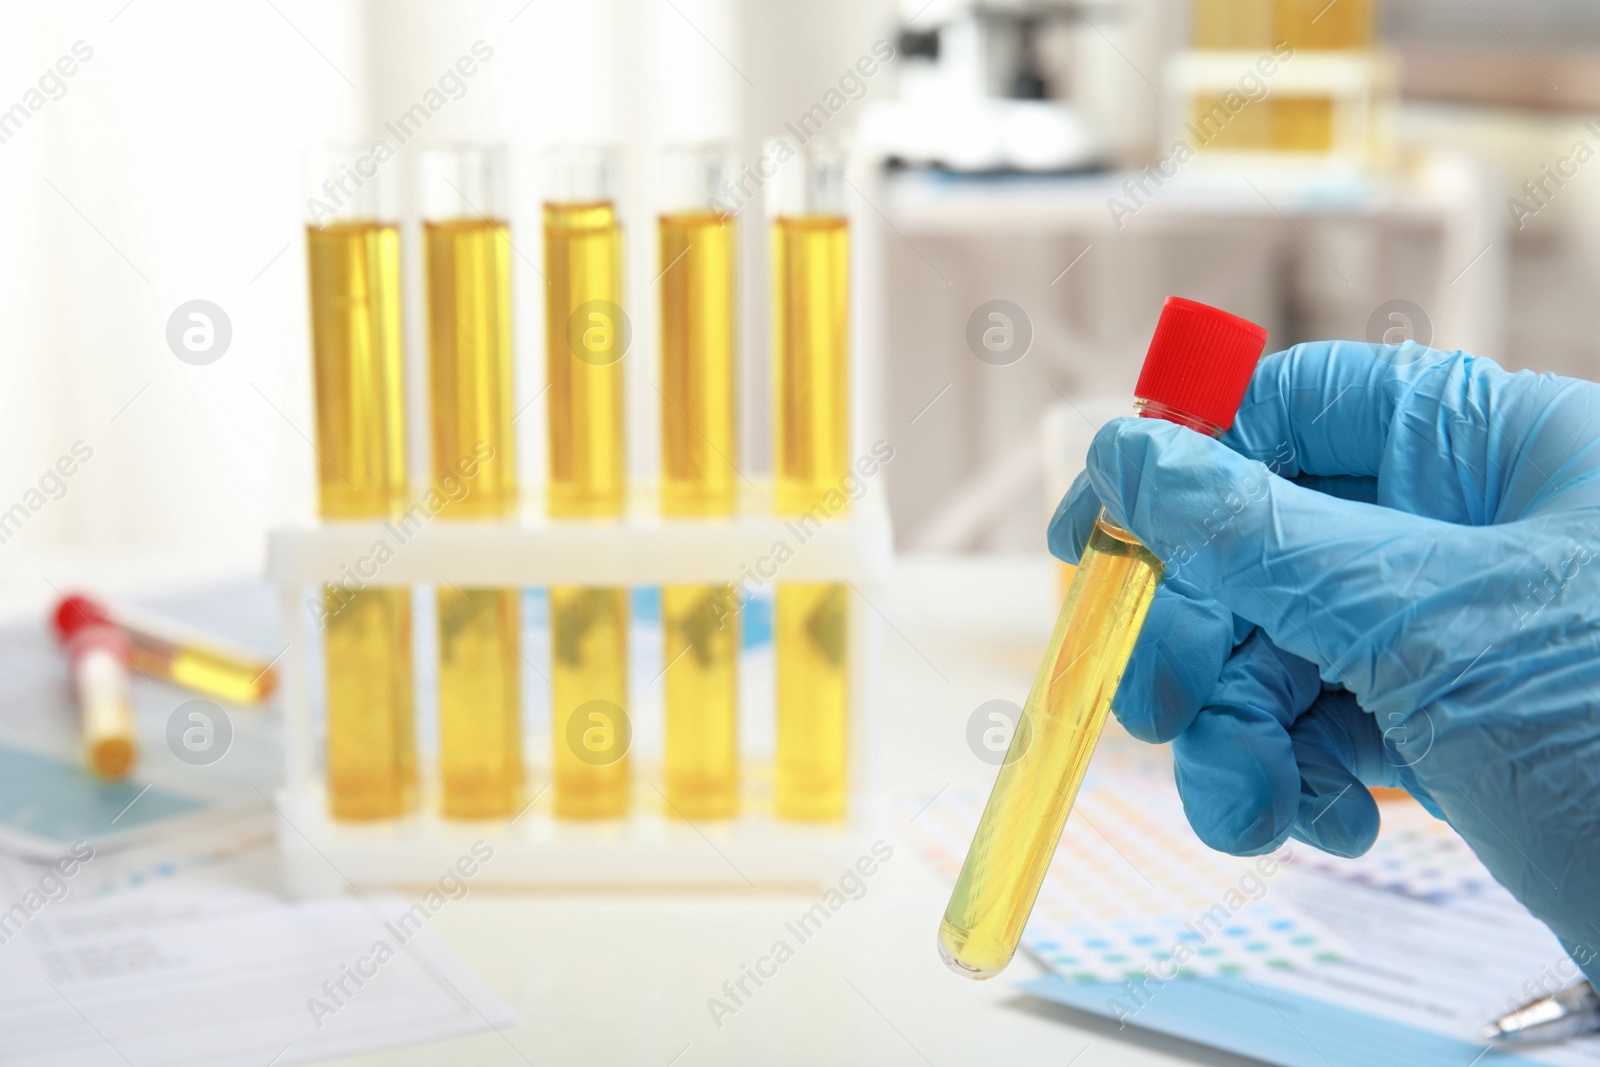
<point x="586" y="336"/>
<point x="467" y="249"/>
<point x="1318" y="26"/>
<point x="811" y="330"/>
<point x="698" y="449"/>
<point x="1194" y="374"/>
<point x="811" y="632"/>
<point x="98" y="651"/>
<point x="811" y="457"/>
<point x="357" y="362"/>
<point x="168" y="652"/>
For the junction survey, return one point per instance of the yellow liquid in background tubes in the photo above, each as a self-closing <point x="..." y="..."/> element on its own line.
<point x="811" y="279"/>
<point x="812" y="634"/>
<point x="588" y="478"/>
<point x="357" y="368"/>
<point x="1305" y="25"/>
<point x="698" y="329"/>
<point x="237" y="679"/>
<point x="358" y="375"/>
<point x="469" y="340"/>
<point x="702" y="733"/>
<point x="1066" y="710"/>
<point x="372" y="760"/>
<point x="698" y="446"/>
<point x="589" y="697"/>
<point x="583" y="293"/>
<point x="480" y="703"/>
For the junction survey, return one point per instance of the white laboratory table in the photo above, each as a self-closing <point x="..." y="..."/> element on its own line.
<point x="624" y="978"/>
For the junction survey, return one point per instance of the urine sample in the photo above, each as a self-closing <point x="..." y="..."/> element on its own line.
<point x="811" y="631"/>
<point x="1194" y="374"/>
<point x="1279" y="123"/>
<point x="698" y="455"/>
<point x="353" y="267"/>
<point x="811" y="334"/>
<point x="586" y="334"/>
<point x="701" y="649"/>
<point x="1317" y="25"/>
<point x="1233" y="25"/>
<point x="98" y="651"/>
<point x="166" y="651"/>
<point x="589" y="698"/>
<point x="699" y="327"/>
<point x="371" y="753"/>
<point x="467" y="249"/>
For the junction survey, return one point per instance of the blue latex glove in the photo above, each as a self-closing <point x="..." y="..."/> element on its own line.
<point x="1384" y="573"/>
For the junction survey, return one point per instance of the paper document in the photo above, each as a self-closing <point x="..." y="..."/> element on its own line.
<point x="1397" y="957"/>
<point x="221" y="979"/>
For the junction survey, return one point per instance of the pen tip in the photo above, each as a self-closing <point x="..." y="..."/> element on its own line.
<point x="1492" y="1032"/>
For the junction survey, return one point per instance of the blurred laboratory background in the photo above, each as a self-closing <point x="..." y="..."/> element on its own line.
<point x="164" y="169"/>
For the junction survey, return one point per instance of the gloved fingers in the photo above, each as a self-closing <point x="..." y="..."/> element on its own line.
<point x="1334" y="743"/>
<point x="1333" y="581"/>
<point x="1235" y="763"/>
<point x="1444" y="434"/>
<point x="1326" y="408"/>
<point x="1073" y="519"/>
<point x="1341" y="486"/>
<point x="1175" y="666"/>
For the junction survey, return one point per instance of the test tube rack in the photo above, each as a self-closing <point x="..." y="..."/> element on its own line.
<point x="648" y="848"/>
<point x="1359" y="85"/>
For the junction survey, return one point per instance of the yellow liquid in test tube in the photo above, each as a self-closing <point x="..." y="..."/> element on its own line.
<point x="1195" y="372"/>
<point x="698" y="446"/>
<point x="811" y="279"/>
<point x="236" y="677"/>
<point x="1066" y="709"/>
<point x="589" y="697"/>
<point x="702" y="735"/>
<point x="812" y="634"/>
<point x="469" y="339"/>
<point x="372" y="761"/>
<point x="357" y="370"/>
<point x="583" y="274"/>
<point x="589" y="626"/>
<point x="698" y="327"/>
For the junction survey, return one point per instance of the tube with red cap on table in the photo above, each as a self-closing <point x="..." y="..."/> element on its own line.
<point x="1195" y="373"/>
<point x="99" y="652"/>
<point x="106" y="645"/>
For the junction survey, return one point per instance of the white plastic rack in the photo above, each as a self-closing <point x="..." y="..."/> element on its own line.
<point x="320" y="855"/>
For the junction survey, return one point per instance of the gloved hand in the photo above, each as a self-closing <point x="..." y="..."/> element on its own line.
<point x="1384" y="573"/>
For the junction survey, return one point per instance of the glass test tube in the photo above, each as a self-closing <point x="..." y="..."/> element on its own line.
<point x="586" y="336"/>
<point x="1094" y="635"/>
<point x="811" y="326"/>
<point x="178" y="655"/>
<point x="467" y="248"/>
<point x="353" y="266"/>
<point x="98" y="653"/>
<point x="1282" y="121"/>
<point x="698" y="448"/>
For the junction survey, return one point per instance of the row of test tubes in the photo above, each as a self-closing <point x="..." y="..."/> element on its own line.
<point x="354" y="256"/>
<point x="1299" y="120"/>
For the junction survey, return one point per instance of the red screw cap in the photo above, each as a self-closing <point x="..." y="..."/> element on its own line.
<point x="1200" y="361"/>
<point x="76" y="612"/>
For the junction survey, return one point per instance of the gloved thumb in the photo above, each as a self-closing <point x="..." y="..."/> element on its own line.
<point x="1333" y="581"/>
